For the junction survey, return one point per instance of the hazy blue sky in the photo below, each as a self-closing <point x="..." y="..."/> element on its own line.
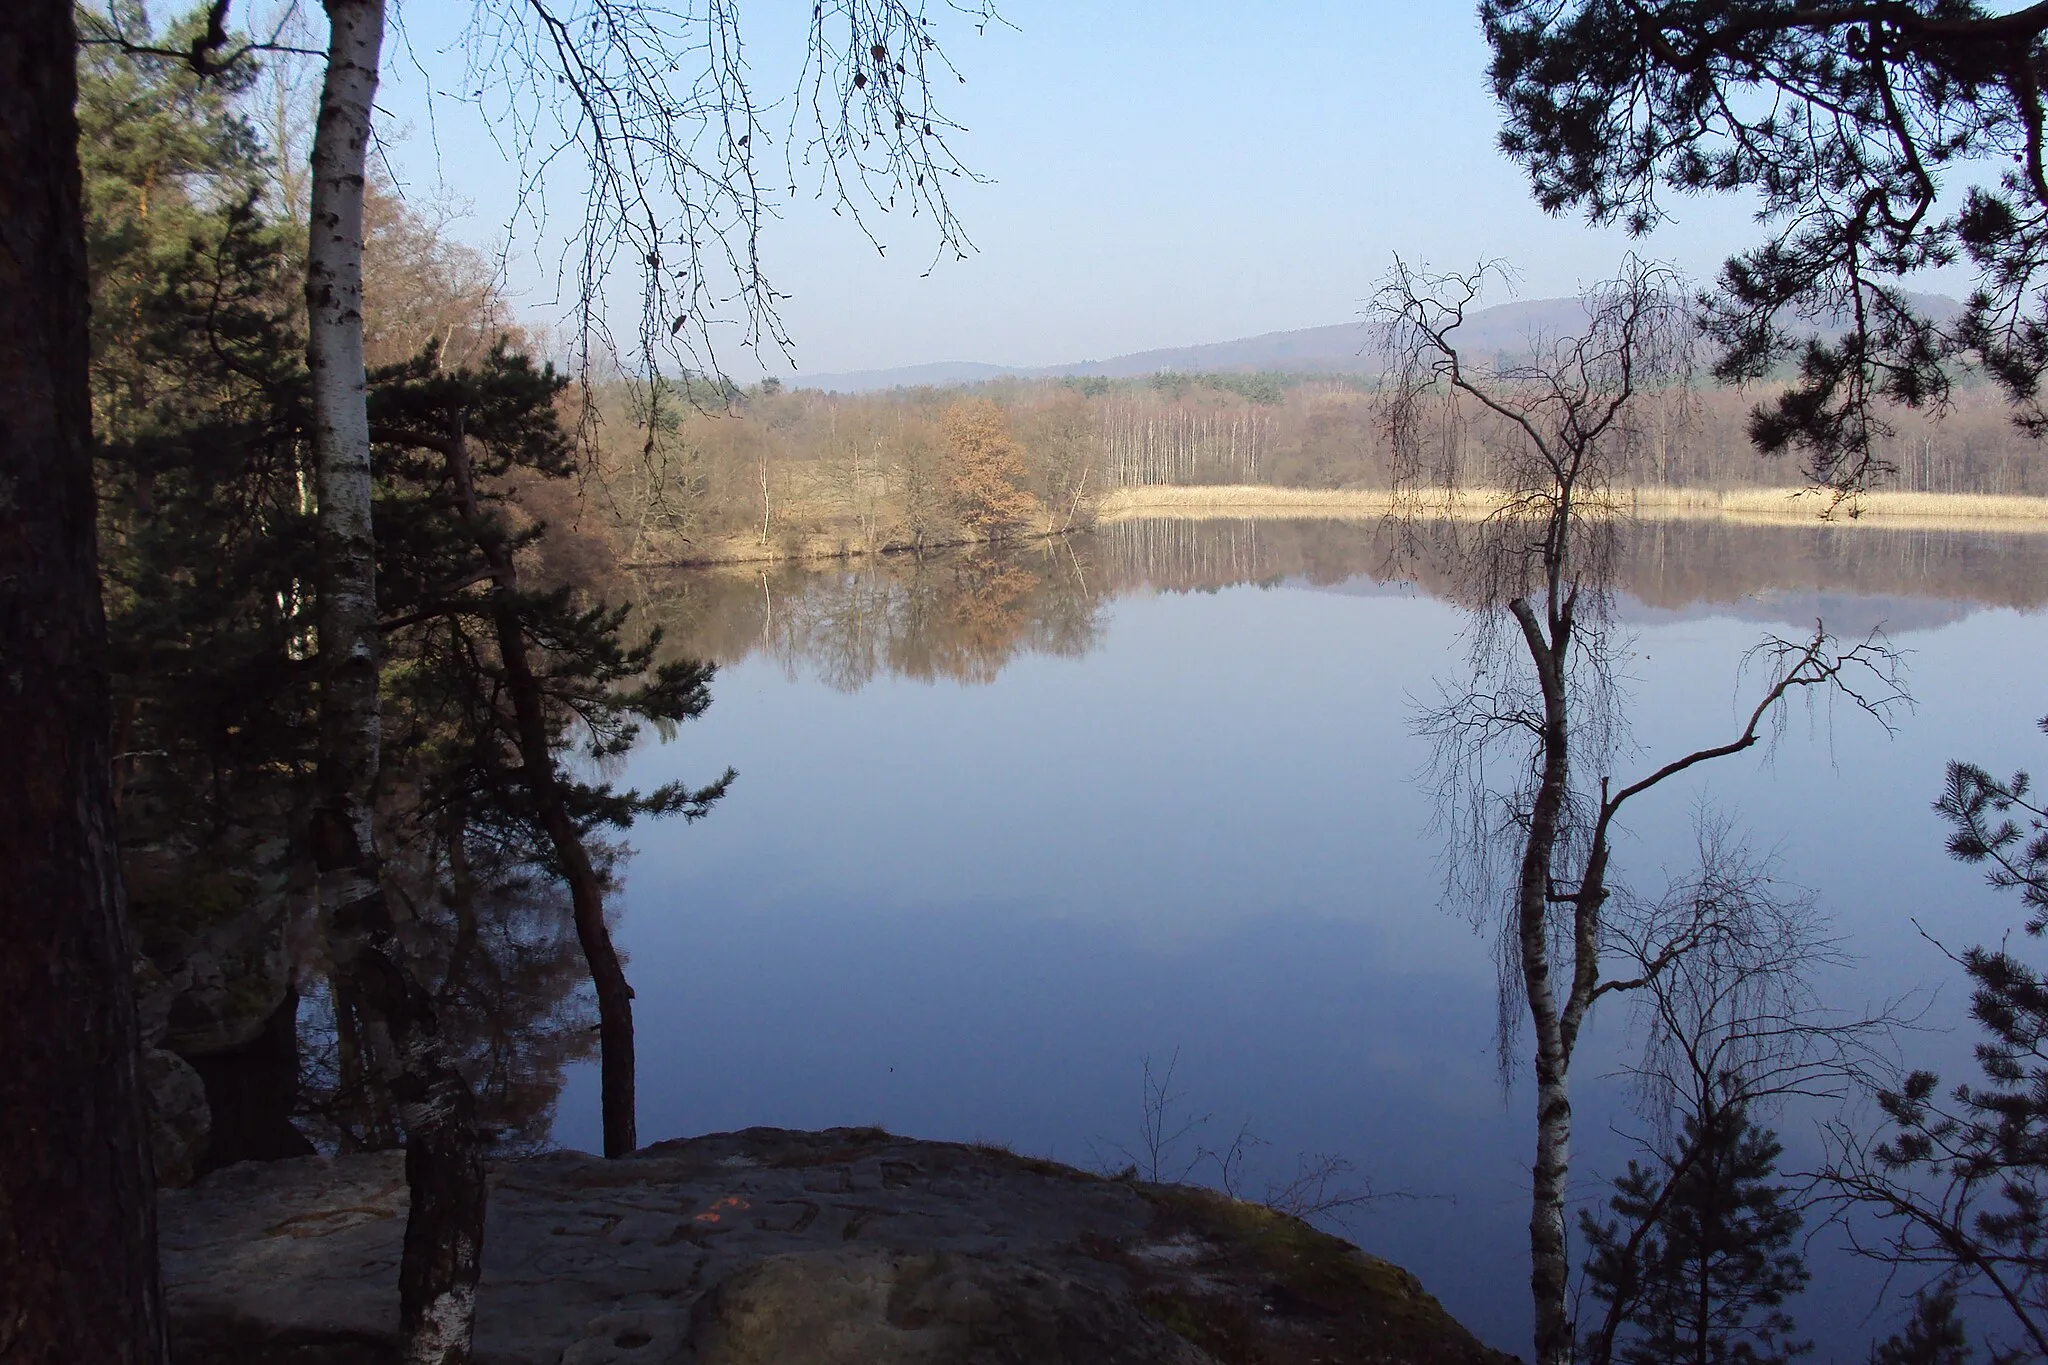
<point x="1157" y="175"/>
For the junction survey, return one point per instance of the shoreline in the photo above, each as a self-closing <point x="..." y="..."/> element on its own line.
<point x="1887" y="510"/>
<point x="743" y="550"/>
<point x="1786" y="507"/>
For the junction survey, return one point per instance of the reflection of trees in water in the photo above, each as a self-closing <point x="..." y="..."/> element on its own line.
<point x="1169" y="555"/>
<point x="960" y="615"/>
<point x="1665" y="564"/>
<point x="1677" y="564"/>
<point x="965" y="614"/>
<point x="497" y="940"/>
<point x="970" y="614"/>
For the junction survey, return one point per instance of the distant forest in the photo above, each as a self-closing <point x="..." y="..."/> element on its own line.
<point x="711" y="471"/>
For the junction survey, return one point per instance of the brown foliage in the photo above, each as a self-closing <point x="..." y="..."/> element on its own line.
<point x="422" y="286"/>
<point x="985" y="468"/>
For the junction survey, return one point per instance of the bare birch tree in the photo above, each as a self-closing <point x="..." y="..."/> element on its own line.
<point x="442" y="1254"/>
<point x="403" y="1049"/>
<point x="1536" y="573"/>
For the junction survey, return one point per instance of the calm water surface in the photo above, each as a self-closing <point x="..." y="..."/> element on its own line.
<point x="1005" y="828"/>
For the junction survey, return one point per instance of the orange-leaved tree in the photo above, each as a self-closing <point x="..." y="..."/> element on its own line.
<point x="984" y="468"/>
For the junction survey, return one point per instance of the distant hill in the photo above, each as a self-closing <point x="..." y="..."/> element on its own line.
<point x="1346" y="348"/>
<point x="939" y="374"/>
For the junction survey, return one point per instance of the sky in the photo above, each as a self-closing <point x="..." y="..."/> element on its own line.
<point x="1153" y="175"/>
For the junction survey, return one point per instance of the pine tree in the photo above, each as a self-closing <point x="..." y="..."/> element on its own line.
<point x="1699" y="1261"/>
<point x="199" y="469"/>
<point x="205" y="480"/>
<point x="171" y="169"/>
<point x="1932" y="1336"/>
<point x="1963" y="1174"/>
<point x="520" y="671"/>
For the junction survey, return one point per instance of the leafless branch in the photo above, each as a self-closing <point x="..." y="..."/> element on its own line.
<point x="658" y="104"/>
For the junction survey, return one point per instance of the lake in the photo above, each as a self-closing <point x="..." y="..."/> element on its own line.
<point x="1007" y="826"/>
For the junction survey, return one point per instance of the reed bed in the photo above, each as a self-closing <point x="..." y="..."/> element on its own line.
<point x="1756" y="506"/>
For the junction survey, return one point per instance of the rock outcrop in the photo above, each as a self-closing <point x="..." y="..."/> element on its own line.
<point x="769" y="1247"/>
<point x="179" y="1116"/>
<point x="213" y="984"/>
<point x="216" y="927"/>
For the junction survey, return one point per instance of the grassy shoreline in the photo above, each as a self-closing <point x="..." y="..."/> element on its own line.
<point x="1893" y="511"/>
<point x="1753" y="506"/>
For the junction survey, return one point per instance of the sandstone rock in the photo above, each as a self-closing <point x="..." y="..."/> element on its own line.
<point x="851" y="1306"/>
<point x="648" y="1336"/>
<point x="154" y="994"/>
<point x="793" y="1248"/>
<point x="179" y="1118"/>
<point x="238" y="971"/>
<point x="217" y="933"/>
<point x="251" y="1092"/>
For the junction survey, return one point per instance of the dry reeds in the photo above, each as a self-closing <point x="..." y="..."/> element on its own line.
<point x="1769" y="506"/>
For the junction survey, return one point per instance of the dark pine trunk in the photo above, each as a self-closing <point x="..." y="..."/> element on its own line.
<point x="78" y="1270"/>
<point x="616" y="1066"/>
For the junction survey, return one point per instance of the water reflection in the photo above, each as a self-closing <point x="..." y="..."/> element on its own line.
<point x="496" y="939"/>
<point x="966" y="615"/>
<point x="1175" y="810"/>
<point x="959" y="615"/>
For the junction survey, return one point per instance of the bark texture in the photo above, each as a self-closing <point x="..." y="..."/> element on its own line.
<point x="78" y="1270"/>
<point x="1554" y="1028"/>
<point x="443" y="1162"/>
<point x="537" y="769"/>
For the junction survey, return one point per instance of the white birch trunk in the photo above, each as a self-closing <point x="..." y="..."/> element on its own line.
<point x="349" y="719"/>
<point x="1549" y="1267"/>
<point x="443" y="1238"/>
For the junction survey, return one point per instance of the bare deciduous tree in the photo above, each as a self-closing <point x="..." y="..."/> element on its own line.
<point x="654" y="102"/>
<point x="1171" y="1150"/>
<point x="1063" y="440"/>
<point x="1542" y="698"/>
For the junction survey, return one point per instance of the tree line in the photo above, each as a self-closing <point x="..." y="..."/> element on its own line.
<point x="708" y="472"/>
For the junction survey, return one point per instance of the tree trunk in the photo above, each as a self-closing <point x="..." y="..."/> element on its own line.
<point x="1549" y="1265"/>
<point x="78" y="1267"/>
<point x="462" y="900"/>
<point x="616" y="1065"/>
<point x="251" y="1092"/>
<point x="443" y="1162"/>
